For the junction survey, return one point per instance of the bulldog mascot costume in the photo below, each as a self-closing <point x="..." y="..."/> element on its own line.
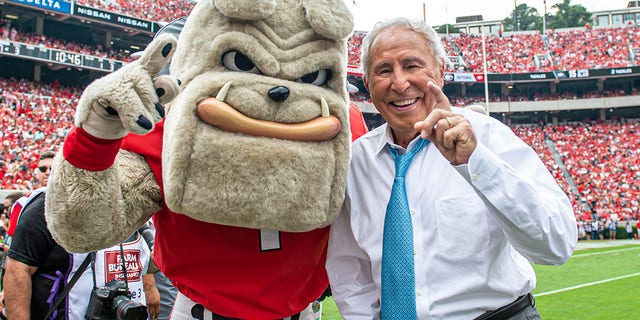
<point x="242" y="175"/>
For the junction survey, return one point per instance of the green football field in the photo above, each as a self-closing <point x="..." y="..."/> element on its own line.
<point x="600" y="281"/>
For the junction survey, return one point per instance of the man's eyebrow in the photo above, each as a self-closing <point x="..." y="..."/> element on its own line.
<point x="405" y="60"/>
<point x="381" y="65"/>
<point x="412" y="59"/>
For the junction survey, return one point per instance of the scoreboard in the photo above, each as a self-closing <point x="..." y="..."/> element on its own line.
<point x="56" y="56"/>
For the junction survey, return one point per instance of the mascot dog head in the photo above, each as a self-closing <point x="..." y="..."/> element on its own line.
<point x="271" y="151"/>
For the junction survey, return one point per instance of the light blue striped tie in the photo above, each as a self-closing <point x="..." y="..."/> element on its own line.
<point x="398" y="274"/>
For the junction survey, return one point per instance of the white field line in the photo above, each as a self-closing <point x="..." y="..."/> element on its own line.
<point x="587" y="284"/>
<point x="604" y="252"/>
<point x="595" y="282"/>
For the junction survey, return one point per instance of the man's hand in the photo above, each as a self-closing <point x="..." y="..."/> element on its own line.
<point x="130" y="99"/>
<point x="152" y="295"/>
<point x="450" y="132"/>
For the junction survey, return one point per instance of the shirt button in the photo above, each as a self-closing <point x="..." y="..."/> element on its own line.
<point x="475" y="177"/>
<point x="418" y="293"/>
<point x="415" y="252"/>
<point x="413" y="212"/>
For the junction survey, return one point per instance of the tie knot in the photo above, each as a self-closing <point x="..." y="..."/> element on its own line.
<point x="404" y="160"/>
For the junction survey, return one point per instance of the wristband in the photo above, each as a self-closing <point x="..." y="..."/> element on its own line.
<point x="88" y="152"/>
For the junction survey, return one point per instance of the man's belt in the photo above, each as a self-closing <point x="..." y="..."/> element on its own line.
<point x="509" y="310"/>
<point x="198" y="312"/>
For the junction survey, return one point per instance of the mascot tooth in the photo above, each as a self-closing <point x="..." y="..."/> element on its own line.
<point x="243" y="174"/>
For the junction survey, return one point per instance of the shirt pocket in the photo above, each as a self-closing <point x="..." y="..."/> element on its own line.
<point x="462" y="227"/>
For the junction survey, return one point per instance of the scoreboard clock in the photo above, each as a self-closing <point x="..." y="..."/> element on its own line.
<point x="56" y="56"/>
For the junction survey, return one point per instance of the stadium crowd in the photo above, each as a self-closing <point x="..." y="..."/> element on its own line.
<point x="9" y="33"/>
<point x="571" y="49"/>
<point x="153" y="10"/>
<point x="354" y="43"/>
<point x="575" y="49"/>
<point x="34" y="118"/>
<point x="594" y="48"/>
<point x="601" y="157"/>
<point x="508" y="53"/>
<point x="457" y="100"/>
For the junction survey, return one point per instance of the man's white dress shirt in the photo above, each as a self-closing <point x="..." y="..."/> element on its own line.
<point x="476" y="226"/>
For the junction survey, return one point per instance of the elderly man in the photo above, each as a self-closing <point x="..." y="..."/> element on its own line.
<point x="468" y="204"/>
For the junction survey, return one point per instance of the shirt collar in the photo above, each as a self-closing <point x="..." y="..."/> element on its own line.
<point x="386" y="141"/>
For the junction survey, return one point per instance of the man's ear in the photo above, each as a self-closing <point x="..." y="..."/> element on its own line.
<point x="442" y="65"/>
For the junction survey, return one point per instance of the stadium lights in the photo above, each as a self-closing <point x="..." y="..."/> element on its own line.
<point x="484" y="64"/>
<point x="515" y="15"/>
<point x="544" y="18"/>
<point x="10" y="16"/>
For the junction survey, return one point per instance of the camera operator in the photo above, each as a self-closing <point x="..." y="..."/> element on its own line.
<point x="166" y="289"/>
<point x="38" y="269"/>
<point x="140" y="285"/>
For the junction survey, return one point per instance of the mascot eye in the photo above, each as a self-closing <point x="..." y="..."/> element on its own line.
<point x="317" y="78"/>
<point x="236" y="61"/>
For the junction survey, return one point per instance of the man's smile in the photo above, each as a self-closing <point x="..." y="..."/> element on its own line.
<point x="403" y="104"/>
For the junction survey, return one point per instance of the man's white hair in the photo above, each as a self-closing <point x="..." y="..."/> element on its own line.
<point x="418" y="26"/>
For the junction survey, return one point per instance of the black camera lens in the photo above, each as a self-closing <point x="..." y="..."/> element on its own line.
<point x="126" y="309"/>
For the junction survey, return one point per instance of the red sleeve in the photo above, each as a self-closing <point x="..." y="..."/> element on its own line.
<point x="356" y="122"/>
<point x="88" y="152"/>
<point x="13" y="217"/>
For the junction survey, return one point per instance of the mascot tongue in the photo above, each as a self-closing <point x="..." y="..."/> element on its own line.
<point x="223" y="116"/>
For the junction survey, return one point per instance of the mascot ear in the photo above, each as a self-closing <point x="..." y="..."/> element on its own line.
<point x="245" y="9"/>
<point x="329" y="18"/>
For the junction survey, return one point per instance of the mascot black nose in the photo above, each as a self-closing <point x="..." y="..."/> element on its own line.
<point x="279" y="94"/>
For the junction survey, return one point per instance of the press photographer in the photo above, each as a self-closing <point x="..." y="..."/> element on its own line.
<point x="38" y="271"/>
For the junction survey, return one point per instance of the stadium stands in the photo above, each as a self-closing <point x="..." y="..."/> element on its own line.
<point x="593" y="48"/>
<point x="153" y="10"/>
<point x="468" y="99"/>
<point x="9" y="33"/>
<point x="602" y="158"/>
<point x="570" y="49"/>
<point x="584" y="48"/>
<point x="597" y="163"/>
<point x="34" y="117"/>
<point x="354" y="43"/>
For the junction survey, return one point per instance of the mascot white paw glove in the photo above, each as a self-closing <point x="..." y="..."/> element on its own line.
<point x="130" y="99"/>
